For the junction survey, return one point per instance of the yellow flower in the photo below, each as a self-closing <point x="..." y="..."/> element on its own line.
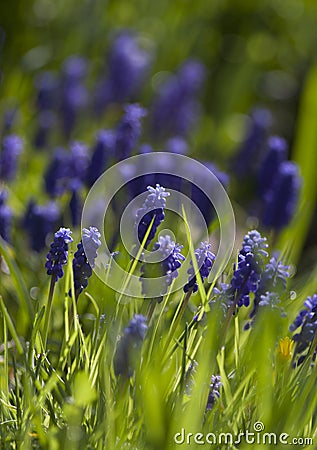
<point x="285" y="347"/>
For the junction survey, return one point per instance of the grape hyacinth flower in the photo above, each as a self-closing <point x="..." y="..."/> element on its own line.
<point x="153" y="207"/>
<point x="307" y="322"/>
<point x="5" y="217"/>
<point x="247" y="273"/>
<point x="102" y="153"/>
<point x="127" y="68"/>
<point x="270" y="165"/>
<point x="84" y="258"/>
<point x="199" y="197"/>
<point x="67" y="168"/>
<point x="281" y="201"/>
<point x="46" y="122"/>
<point x="74" y="94"/>
<point x="75" y="204"/>
<point x="55" y="260"/>
<point x="58" y="254"/>
<point x="47" y="87"/>
<point x="166" y="268"/>
<point x="214" y="393"/>
<point x="55" y="175"/>
<point x="78" y="162"/>
<point x="12" y="147"/>
<point x="177" y="145"/>
<point x="39" y="221"/>
<point x="205" y="259"/>
<point x="176" y="107"/>
<point x="129" y="348"/>
<point x="273" y="281"/>
<point x="248" y="156"/>
<point x="128" y="131"/>
<point x="9" y="118"/>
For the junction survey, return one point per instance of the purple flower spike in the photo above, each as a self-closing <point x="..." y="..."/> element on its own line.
<point x="248" y="156"/>
<point x="12" y="147"/>
<point x="205" y="259"/>
<point x="73" y="91"/>
<point x="153" y="207"/>
<point x="270" y="165"/>
<point x="128" y="131"/>
<point x="102" y="153"/>
<point x="128" y="65"/>
<point x="214" y="392"/>
<point x="5" y="217"/>
<point x="58" y="254"/>
<point x="247" y="274"/>
<point x="167" y="267"/>
<point x="39" y="221"/>
<point x="176" y="107"/>
<point x="281" y="200"/>
<point x="128" y="350"/>
<point x="84" y="258"/>
<point x="307" y="322"/>
<point x="47" y="88"/>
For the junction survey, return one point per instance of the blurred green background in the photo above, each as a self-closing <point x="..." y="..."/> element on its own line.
<point x="256" y="53"/>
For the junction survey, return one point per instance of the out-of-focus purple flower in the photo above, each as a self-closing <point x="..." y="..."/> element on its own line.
<point x="177" y="145"/>
<point x="39" y="221"/>
<point x="307" y="322"/>
<point x="5" y="217"/>
<point x="74" y="94"/>
<point x="223" y="177"/>
<point x="273" y="281"/>
<point x="10" y="116"/>
<point x="46" y="85"/>
<point x="166" y="163"/>
<point x="167" y="267"/>
<point x="67" y="168"/>
<point x="84" y="258"/>
<point x="198" y="196"/>
<point x="214" y="392"/>
<point x="153" y="208"/>
<point x="102" y="153"/>
<point x="246" y="160"/>
<point x="176" y="108"/>
<point x="247" y="273"/>
<point x="75" y="203"/>
<point x="55" y="174"/>
<point x="129" y="348"/>
<point x="145" y="148"/>
<point x="128" y="131"/>
<point x="204" y="258"/>
<point x="58" y="253"/>
<point x="281" y="201"/>
<point x="127" y="67"/>
<point x="12" y="147"/>
<point x="79" y="161"/>
<point x="269" y="167"/>
<point x="46" y="122"/>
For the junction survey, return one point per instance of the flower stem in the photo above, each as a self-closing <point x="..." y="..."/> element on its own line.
<point x="233" y="308"/>
<point x="48" y="310"/>
<point x="178" y="318"/>
<point x="151" y="309"/>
